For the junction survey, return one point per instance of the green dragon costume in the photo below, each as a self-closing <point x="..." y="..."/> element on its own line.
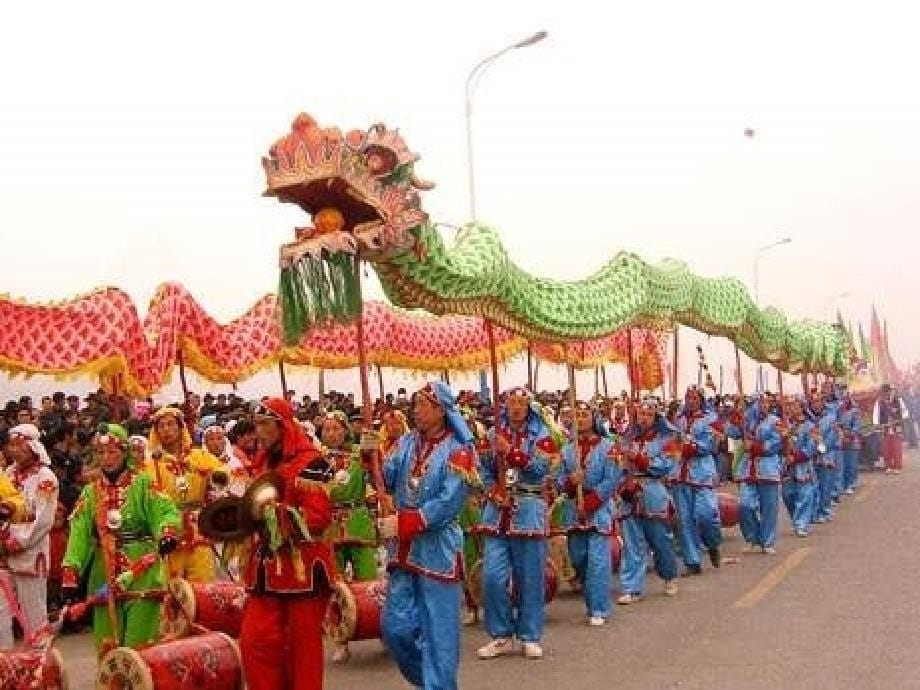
<point x="364" y="196"/>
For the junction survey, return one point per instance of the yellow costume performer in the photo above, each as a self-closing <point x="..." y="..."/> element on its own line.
<point x="189" y="476"/>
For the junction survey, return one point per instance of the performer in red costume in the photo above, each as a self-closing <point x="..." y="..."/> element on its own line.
<point x="289" y="570"/>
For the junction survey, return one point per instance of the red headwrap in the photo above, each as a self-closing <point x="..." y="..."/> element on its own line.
<point x="293" y="437"/>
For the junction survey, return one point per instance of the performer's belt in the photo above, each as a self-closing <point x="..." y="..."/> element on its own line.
<point x="191" y="505"/>
<point x="123" y="537"/>
<point x="347" y="505"/>
<point x="527" y="490"/>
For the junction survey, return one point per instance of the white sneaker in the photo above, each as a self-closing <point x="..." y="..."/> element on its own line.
<point x="627" y="599"/>
<point x="897" y="471"/>
<point x="769" y="550"/>
<point x="850" y="491"/>
<point x="596" y="621"/>
<point x="750" y="548"/>
<point x="340" y="654"/>
<point x="889" y="471"/>
<point x="670" y="588"/>
<point x="532" y="650"/>
<point x="801" y="533"/>
<point x="496" y="648"/>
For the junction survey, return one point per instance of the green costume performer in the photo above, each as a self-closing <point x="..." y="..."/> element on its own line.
<point x="120" y="529"/>
<point x="354" y="536"/>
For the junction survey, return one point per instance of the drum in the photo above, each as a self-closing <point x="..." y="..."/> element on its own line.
<point x="211" y="661"/>
<point x="728" y="509"/>
<point x="29" y="669"/>
<point x="550" y="583"/>
<point x="354" y="611"/>
<point x="216" y="606"/>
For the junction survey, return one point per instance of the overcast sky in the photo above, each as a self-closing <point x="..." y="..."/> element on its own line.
<point x="130" y="140"/>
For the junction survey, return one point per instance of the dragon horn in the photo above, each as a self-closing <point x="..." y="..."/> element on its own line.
<point x="419" y="183"/>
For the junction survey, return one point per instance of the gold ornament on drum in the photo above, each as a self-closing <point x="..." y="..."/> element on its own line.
<point x="182" y="484"/>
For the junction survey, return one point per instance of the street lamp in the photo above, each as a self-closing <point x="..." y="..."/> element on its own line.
<point x="472" y="81"/>
<point x="760" y="252"/>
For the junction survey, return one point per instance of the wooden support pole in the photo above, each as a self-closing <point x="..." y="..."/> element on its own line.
<point x="530" y="372"/>
<point x="631" y="365"/>
<point x="284" y="386"/>
<point x="182" y="380"/>
<point x="674" y="365"/>
<point x="740" y="377"/>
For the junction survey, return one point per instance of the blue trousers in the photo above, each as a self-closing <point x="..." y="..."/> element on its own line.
<point x="850" y="462"/>
<point x="758" y="505"/>
<point x="590" y="554"/>
<point x="523" y="561"/>
<point x="421" y="627"/>
<point x="826" y="478"/>
<point x="697" y="518"/>
<point x="799" y="498"/>
<point x="640" y="534"/>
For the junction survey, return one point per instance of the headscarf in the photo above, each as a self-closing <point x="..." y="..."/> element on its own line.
<point x="535" y="421"/>
<point x="293" y="438"/>
<point x="31" y="434"/>
<point x="107" y="433"/>
<point x="163" y="412"/>
<point x="403" y="424"/>
<point x="661" y="425"/>
<point x="227" y="452"/>
<point x="441" y="394"/>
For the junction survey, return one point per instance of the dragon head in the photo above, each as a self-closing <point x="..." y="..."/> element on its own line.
<point x="360" y="189"/>
<point x="362" y="194"/>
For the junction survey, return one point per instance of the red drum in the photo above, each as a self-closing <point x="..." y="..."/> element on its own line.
<point x="728" y="509"/>
<point x="29" y="669"/>
<point x="211" y="661"/>
<point x="216" y="606"/>
<point x="550" y="583"/>
<point x="354" y="611"/>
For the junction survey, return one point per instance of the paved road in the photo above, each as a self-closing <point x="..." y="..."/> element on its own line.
<point x="839" y="609"/>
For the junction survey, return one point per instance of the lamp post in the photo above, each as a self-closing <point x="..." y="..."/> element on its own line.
<point x="760" y="252"/>
<point x="472" y="81"/>
<point x="757" y="257"/>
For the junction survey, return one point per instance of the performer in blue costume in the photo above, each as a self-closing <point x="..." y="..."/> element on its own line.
<point x="760" y="476"/>
<point x="695" y="480"/>
<point x="824" y="417"/>
<point x="429" y="475"/>
<point x="589" y="477"/>
<point x="850" y="421"/>
<point x="515" y="525"/>
<point x="799" y="470"/>
<point x="650" y="451"/>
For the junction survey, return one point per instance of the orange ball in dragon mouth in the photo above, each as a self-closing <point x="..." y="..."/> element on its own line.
<point x="328" y="220"/>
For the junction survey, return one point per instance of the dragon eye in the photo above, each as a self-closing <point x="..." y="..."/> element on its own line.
<point x="380" y="161"/>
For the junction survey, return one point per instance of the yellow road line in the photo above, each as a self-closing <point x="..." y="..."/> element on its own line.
<point x="869" y="487"/>
<point x="772" y="579"/>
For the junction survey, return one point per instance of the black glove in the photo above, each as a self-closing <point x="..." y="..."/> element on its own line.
<point x="168" y="545"/>
<point x="318" y="471"/>
<point x="70" y="595"/>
